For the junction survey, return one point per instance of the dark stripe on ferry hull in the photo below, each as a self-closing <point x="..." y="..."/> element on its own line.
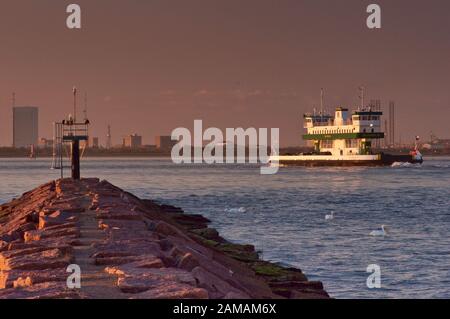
<point x="386" y="160"/>
<point x="391" y="159"/>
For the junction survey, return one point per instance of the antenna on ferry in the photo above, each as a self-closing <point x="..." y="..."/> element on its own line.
<point x="321" y="101"/>
<point x="361" y="96"/>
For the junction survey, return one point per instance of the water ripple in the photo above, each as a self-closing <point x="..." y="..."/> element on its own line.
<point x="284" y="215"/>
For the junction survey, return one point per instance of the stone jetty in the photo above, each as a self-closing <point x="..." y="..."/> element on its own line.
<point x="126" y="247"/>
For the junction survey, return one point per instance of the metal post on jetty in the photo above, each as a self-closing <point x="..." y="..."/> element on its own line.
<point x="71" y="132"/>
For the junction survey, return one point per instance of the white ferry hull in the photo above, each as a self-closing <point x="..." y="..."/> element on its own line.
<point x="349" y="160"/>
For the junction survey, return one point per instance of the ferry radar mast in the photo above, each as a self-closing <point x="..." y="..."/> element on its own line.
<point x="361" y="96"/>
<point x="321" y="101"/>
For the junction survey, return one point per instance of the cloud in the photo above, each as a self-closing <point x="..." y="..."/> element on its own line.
<point x="255" y="93"/>
<point x="168" y="93"/>
<point x="204" y="92"/>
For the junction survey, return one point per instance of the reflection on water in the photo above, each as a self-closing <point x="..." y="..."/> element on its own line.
<point x="284" y="215"/>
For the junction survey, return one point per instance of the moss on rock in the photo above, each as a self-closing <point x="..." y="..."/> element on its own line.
<point x="207" y="233"/>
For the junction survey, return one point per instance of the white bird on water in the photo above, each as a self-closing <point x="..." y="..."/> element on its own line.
<point x="330" y="216"/>
<point x="380" y="232"/>
<point x="236" y="210"/>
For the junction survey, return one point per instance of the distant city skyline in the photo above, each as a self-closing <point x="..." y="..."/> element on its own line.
<point x="150" y="67"/>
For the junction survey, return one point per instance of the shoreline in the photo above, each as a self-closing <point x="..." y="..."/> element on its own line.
<point x="125" y="244"/>
<point x="146" y="153"/>
<point x="164" y="157"/>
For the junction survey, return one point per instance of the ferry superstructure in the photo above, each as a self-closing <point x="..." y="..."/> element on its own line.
<point x="345" y="139"/>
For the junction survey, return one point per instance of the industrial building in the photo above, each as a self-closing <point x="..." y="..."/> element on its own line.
<point x="132" y="141"/>
<point x="437" y="144"/>
<point x="25" y="126"/>
<point x="95" y="143"/>
<point x="164" y="142"/>
<point x="45" y="143"/>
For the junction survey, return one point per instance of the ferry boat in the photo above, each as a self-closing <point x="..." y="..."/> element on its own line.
<point x="345" y="139"/>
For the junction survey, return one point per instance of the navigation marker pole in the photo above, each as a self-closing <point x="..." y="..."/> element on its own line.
<point x="74" y="104"/>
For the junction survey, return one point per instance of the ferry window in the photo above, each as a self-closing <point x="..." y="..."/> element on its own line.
<point x="327" y="144"/>
<point x="364" y="130"/>
<point x="353" y="143"/>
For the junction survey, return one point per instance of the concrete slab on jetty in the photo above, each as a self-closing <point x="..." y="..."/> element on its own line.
<point x="127" y="247"/>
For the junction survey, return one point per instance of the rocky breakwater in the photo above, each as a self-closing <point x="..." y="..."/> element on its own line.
<point x="126" y="247"/>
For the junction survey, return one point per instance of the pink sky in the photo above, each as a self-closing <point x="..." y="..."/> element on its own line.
<point x="152" y="66"/>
